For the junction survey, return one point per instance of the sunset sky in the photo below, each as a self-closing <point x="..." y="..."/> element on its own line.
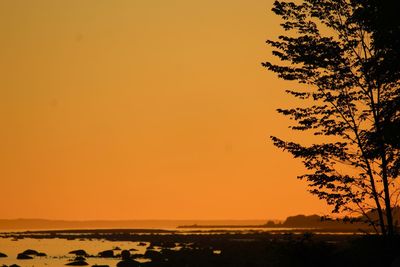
<point x="143" y="109"/>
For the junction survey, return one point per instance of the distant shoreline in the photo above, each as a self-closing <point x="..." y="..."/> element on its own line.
<point x="292" y="223"/>
<point x="44" y="224"/>
<point x="223" y="226"/>
<point x="79" y="233"/>
<point x="151" y="235"/>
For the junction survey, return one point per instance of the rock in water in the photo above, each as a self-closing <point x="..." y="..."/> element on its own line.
<point x="79" y="252"/>
<point x="126" y="260"/>
<point x="125" y="255"/>
<point x="128" y="263"/>
<point x="30" y="252"/>
<point x="106" y="254"/>
<point x="77" y="263"/>
<point x="22" y="256"/>
<point x="79" y="258"/>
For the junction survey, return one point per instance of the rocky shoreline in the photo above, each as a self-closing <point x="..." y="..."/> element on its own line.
<point x="223" y="249"/>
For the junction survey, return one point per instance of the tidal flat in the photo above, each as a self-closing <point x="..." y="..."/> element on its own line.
<point x="197" y="248"/>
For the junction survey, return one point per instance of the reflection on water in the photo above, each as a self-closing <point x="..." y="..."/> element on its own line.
<point x="57" y="244"/>
<point x="57" y="251"/>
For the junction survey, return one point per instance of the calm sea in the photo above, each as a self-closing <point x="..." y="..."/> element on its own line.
<point x="57" y="249"/>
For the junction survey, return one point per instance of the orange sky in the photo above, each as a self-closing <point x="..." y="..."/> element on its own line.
<point x="143" y="109"/>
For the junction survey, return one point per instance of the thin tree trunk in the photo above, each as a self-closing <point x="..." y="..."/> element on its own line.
<point x="388" y="206"/>
<point x="371" y="178"/>
<point x="378" y="204"/>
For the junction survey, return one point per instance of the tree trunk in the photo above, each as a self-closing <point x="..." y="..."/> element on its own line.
<point x="388" y="206"/>
<point x="378" y="204"/>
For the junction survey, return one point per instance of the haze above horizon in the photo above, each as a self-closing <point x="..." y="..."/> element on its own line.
<point x="124" y="109"/>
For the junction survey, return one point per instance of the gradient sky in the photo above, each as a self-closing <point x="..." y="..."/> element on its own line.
<point x="143" y="109"/>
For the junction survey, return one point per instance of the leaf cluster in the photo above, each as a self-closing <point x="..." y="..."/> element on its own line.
<point x="333" y="49"/>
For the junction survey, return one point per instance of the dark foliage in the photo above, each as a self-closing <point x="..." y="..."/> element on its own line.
<point x="346" y="55"/>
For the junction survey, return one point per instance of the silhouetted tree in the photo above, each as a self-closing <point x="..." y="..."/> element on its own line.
<point x="346" y="54"/>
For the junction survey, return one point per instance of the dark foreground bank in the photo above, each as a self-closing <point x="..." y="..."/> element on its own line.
<point x="238" y="249"/>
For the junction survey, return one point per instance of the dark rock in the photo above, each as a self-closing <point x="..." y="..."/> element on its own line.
<point x="14" y="265"/>
<point x="165" y="251"/>
<point x="77" y="263"/>
<point x="116" y="248"/>
<point x="152" y="254"/>
<point x="22" y="256"/>
<point x="168" y="244"/>
<point x="79" y="252"/>
<point x="125" y="255"/>
<point x="79" y="258"/>
<point x="133" y="249"/>
<point x="135" y="256"/>
<point x="2" y="255"/>
<point x="156" y="244"/>
<point x="106" y="254"/>
<point x="30" y="252"/>
<point x="41" y="254"/>
<point x="128" y="263"/>
<point x="142" y="244"/>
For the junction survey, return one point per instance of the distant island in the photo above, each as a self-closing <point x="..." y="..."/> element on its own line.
<point x="298" y="221"/>
<point x="309" y="222"/>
